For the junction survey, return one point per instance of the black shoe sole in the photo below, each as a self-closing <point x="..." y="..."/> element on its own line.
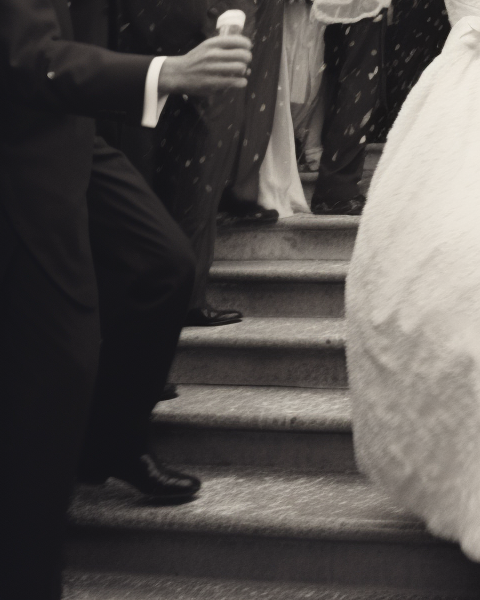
<point x="214" y="323"/>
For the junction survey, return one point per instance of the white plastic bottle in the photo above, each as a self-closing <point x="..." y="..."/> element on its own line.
<point x="231" y="22"/>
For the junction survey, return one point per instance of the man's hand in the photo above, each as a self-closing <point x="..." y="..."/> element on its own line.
<point x="215" y="64"/>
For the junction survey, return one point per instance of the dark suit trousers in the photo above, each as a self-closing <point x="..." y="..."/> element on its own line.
<point x="354" y="80"/>
<point x="209" y="149"/>
<point x="50" y="347"/>
<point x="145" y="270"/>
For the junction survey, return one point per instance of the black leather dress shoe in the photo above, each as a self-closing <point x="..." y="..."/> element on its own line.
<point x="353" y="207"/>
<point x="158" y="481"/>
<point x="211" y="317"/>
<point x="251" y="212"/>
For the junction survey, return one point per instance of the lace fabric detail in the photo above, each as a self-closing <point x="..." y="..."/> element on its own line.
<point x="346" y="11"/>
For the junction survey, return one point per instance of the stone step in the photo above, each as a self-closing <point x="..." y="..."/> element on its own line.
<point x="81" y="585"/>
<point x="264" y="351"/>
<point x="290" y="288"/>
<point x="301" y="237"/>
<point x="285" y="428"/>
<point x="247" y="524"/>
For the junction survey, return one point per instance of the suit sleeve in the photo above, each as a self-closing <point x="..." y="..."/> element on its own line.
<point x="42" y="69"/>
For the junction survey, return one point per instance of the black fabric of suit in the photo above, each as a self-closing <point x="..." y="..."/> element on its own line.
<point x="416" y="36"/>
<point x="204" y="151"/>
<point x="59" y="189"/>
<point x="354" y="55"/>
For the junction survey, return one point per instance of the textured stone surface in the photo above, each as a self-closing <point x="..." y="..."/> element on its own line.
<point x="113" y="586"/>
<point x="281" y="450"/>
<point x="269" y="299"/>
<point x="269" y="333"/>
<point x="303" y="271"/>
<point x="258" y="408"/>
<point x="285" y="428"/>
<point x="288" y="288"/>
<point x="278" y="352"/>
<point x="301" y="237"/>
<point x="327" y="529"/>
<point x="256" y="502"/>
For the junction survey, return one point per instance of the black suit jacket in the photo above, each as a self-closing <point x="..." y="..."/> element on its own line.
<point x="52" y="84"/>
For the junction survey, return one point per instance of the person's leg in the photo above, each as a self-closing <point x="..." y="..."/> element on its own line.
<point x="406" y="58"/>
<point x="145" y="269"/>
<point x="202" y="146"/>
<point x="196" y="142"/>
<point x="195" y="149"/>
<point x="354" y="75"/>
<point x="49" y="349"/>
<point x="260" y="102"/>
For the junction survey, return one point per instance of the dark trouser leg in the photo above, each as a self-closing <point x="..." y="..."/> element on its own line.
<point x="406" y="58"/>
<point x="48" y="359"/>
<point x="196" y="144"/>
<point x="203" y="146"/>
<point x="260" y="103"/>
<point x="353" y="55"/>
<point x="145" y="270"/>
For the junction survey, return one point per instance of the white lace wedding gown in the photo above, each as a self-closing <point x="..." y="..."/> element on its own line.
<point x="413" y="298"/>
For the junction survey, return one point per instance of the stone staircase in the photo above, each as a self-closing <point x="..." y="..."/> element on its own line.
<point x="264" y="419"/>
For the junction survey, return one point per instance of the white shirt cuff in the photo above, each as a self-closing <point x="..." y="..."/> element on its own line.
<point x="152" y="103"/>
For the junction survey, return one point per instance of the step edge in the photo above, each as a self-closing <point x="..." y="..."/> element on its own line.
<point x="247" y="271"/>
<point x="338" y="530"/>
<point x="324" y="591"/>
<point x="328" y="344"/>
<point x="200" y="421"/>
<point x="334" y="222"/>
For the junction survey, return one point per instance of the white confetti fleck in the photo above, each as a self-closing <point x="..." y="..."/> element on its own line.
<point x="366" y="119"/>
